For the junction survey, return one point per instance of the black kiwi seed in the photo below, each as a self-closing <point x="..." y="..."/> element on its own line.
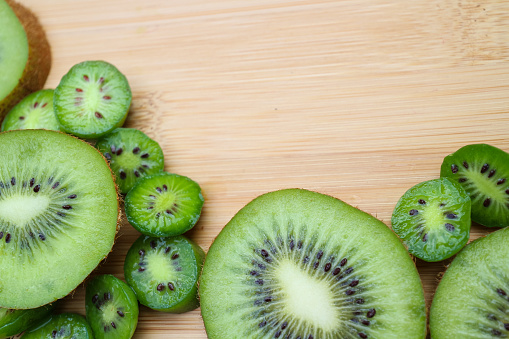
<point x="371" y="313"/>
<point x="13" y="181"/>
<point x="454" y="168"/>
<point x="451" y="216"/>
<point x="175" y="256"/>
<point x="413" y="212"/>
<point x="500" y="181"/>
<point x="422" y="202"/>
<point x="107" y="296"/>
<point x="484" y="168"/>
<point x="160" y="287"/>
<point x="122" y="174"/>
<point x="136" y="150"/>
<point x="37" y="188"/>
<point x="449" y="227"/>
<point x="486" y="202"/>
<point x="465" y="164"/>
<point x="121" y="314"/>
<point x="171" y="286"/>
<point x="492" y="173"/>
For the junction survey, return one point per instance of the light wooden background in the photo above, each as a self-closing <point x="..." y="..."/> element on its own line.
<point x="357" y="99"/>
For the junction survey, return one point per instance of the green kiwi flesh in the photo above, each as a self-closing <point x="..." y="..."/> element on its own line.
<point x="472" y="299"/>
<point x="61" y="326"/>
<point x="35" y="111"/>
<point x="58" y="215"/>
<point x="164" y="204"/>
<point x="300" y="264"/>
<point x="132" y="156"/>
<point x="111" y="307"/>
<point x="13" y="322"/>
<point x="92" y="99"/>
<point x="163" y="272"/>
<point x="483" y="171"/>
<point x="433" y="219"/>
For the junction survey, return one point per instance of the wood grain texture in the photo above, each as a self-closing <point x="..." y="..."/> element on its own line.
<point x="357" y="99"/>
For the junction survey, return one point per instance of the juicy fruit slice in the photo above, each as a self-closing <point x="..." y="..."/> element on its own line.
<point x="163" y="272"/>
<point x="25" y="56"/>
<point x="61" y="326"/>
<point x="35" y="111"/>
<point x="295" y="263"/>
<point x="483" y="171"/>
<point x="92" y="99"/>
<point x="57" y="198"/>
<point x="472" y="299"/>
<point x="112" y="308"/>
<point x="13" y="322"/>
<point x="132" y="155"/>
<point x="164" y="204"/>
<point x="433" y="219"/>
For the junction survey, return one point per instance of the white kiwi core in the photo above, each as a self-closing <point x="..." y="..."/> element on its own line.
<point x="21" y="209"/>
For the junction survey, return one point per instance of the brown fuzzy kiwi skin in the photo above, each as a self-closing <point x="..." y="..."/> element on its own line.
<point x="39" y="59"/>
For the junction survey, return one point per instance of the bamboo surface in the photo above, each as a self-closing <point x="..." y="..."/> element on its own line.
<point x="357" y="99"/>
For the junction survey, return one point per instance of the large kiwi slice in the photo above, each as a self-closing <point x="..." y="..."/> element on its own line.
<point x="483" y="171"/>
<point x="25" y="56"/>
<point x="13" y="322"/>
<point x="58" y="215"/>
<point x="472" y="299"/>
<point x="299" y="264"/>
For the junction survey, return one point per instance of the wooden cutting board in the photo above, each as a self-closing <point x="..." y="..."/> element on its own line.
<point x="357" y="99"/>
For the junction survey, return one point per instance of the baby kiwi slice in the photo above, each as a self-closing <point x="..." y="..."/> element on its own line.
<point x="299" y="264"/>
<point x="13" y="322"/>
<point x="92" y="99"/>
<point x="61" y="326"/>
<point x="58" y="215"/>
<point x="483" y="171"/>
<point x="112" y="308"/>
<point x="163" y="272"/>
<point x="33" y="112"/>
<point x="164" y="204"/>
<point x="472" y="299"/>
<point x="132" y="155"/>
<point x="433" y="219"/>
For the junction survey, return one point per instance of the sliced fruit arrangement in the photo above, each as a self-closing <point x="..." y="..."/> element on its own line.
<point x="483" y="171"/>
<point x="25" y="55"/>
<point x="132" y="155"/>
<point x="112" y="308"/>
<point x="61" y="326"/>
<point x="35" y="111"/>
<point x="299" y="264"/>
<point x="163" y="272"/>
<point x="92" y="99"/>
<point x="57" y="197"/>
<point x="433" y="219"/>
<point x="164" y="204"/>
<point x="472" y="299"/>
<point x="13" y="322"/>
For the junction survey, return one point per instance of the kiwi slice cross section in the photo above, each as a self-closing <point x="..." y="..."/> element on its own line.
<point x="61" y="326"/>
<point x="164" y="204"/>
<point x="483" y="171"/>
<point x="433" y="219"/>
<point x="112" y="308"/>
<point x="132" y="155"/>
<point x="163" y="272"/>
<point x="58" y="215"/>
<point x="472" y="299"/>
<point x="300" y="264"/>
<point x="92" y="99"/>
<point x="13" y="322"/>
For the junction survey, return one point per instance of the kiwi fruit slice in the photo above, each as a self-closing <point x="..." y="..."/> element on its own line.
<point x="132" y="155"/>
<point x="13" y="322"/>
<point x="163" y="272"/>
<point x="483" y="171"/>
<point x="472" y="299"/>
<point x="112" y="307"/>
<point x="164" y="204"/>
<point x="61" y="326"/>
<point x="92" y="99"/>
<point x="433" y="219"/>
<point x="35" y="111"/>
<point x="25" y="54"/>
<point x="300" y="264"/>
<point x="58" y="215"/>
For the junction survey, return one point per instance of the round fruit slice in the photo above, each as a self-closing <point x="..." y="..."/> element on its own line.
<point x="483" y="171"/>
<point x="35" y="111"/>
<point x="433" y="219"/>
<point x="13" y="322"/>
<point x="112" y="308"/>
<point x="61" y="326"/>
<point x="472" y="299"/>
<point x="132" y="155"/>
<point x="164" y="204"/>
<point x="92" y="99"/>
<point x="25" y="55"/>
<point x="163" y="272"/>
<point x="58" y="215"/>
<point x="299" y="264"/>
